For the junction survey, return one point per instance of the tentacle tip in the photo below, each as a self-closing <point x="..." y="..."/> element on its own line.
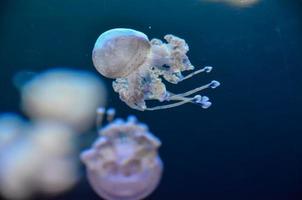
<point x="214" y="84"/>
<point x="206" y="105"/>
<point x="208" y="69"/>
<point x="203" y="101"/>
<point x="197" y="98"/>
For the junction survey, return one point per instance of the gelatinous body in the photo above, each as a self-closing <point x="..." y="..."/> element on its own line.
<point x="39" y="158"/>
<point x="64" y="95"/>
<point x="139" y="65"/>
<point x="123" y="163"/>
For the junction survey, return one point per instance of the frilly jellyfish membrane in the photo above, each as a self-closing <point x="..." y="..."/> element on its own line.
<point x="138" y="66"/>
<point x="123" y="163"/>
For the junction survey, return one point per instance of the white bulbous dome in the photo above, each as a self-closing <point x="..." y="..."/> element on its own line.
<point x="118" y="52"/>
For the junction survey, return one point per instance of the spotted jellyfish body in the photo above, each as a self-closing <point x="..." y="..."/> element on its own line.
<point x="139" y="65"/>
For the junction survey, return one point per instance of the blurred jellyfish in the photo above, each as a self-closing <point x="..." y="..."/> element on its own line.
<point x="123" y="163"/>
<point x="64" y="95"/>
<point x="41" y="159"/>
<point x="242" y="3"/>
<point x="138" y="65"/>
<point x="53" y="139"/>
<point x="18" y="165"/>
<point x="237" y="3"/>
<point x="55" y="143"/>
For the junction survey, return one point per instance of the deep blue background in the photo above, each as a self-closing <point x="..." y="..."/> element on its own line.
<point x="247" y="146"/>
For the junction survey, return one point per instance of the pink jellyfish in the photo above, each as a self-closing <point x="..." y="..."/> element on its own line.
<point x="123" y="163"/>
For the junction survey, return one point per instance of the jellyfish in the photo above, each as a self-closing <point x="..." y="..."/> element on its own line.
<point x="40" y="159"/>
<point x="237" y="3"/>
<point x="62" y="95"/>
<point x="123" y="163"/>
<point x="139" y="65"/>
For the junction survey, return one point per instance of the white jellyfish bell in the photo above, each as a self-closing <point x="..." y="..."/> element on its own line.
<point x="64" y="95"/>
<point x="123" y="163"/>
<point x="138" y="65"/>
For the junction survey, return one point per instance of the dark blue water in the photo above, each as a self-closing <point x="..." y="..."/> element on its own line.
<point x="247" y="146"/>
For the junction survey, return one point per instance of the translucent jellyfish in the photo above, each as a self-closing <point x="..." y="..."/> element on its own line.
<point x="139" y="65"/>
<point x="64" y="95"/>
<point x="123" y="163"/>
<point x="41" y="159"/>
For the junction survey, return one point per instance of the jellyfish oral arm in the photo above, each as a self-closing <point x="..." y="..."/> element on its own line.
<point x="213" y="84"/>
<point x="203" y="101"/>
<point x="206" y="69"/>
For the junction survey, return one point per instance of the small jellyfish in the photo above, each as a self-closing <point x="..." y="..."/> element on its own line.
<point x="123" y="163"/>
<point x="139" y="65"/>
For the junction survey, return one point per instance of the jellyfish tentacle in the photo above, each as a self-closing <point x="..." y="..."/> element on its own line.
<point x="177" y="77"/>
<point x="203" y="101"/>
<point x="206" y="69"/>
<point x="100" y="117"/>
<point x="213" y="84"/>
<point x="188" y="100"/>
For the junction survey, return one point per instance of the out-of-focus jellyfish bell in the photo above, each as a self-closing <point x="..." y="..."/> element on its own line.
<point x="237" y="3"/>
<point x="64" y="95"/>
<point x="138" y="65"/>
<point x="41" y="159"/>
<point x="242" y="3"/>
<point x="123" y="163"/>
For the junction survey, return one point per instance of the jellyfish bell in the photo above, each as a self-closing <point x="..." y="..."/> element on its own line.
<point x="41" y="160"/>
<point x="64" y="95"/>
<point x="139" y="65"/>
<point x="123" y="163"/>
<point x="119" y="52"/>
